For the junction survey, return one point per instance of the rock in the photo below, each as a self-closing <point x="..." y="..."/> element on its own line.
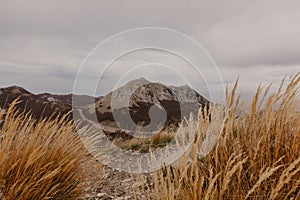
<point x="124" y="198"/>
<point x="127" y="180"/>
<point x="105" y="176"/>
<point x="87" y="189"/>
<point x="88" y="196"/>
<point x="99" y="195"/>
<point x="137" y="184"/>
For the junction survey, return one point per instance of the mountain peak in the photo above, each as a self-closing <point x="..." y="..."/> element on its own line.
<point x="146" y="92"/>
<point x="14" y="89"/>
<point x="142" y="79"/>
<point x="139" y="80"/>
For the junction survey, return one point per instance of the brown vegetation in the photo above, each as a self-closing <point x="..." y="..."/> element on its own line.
<point x="257" y="155"/>
<point x="38" y="160"/>
<point x="143" y="145"/>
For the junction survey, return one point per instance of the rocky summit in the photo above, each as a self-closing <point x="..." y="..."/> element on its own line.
<point x="147" y="104"/>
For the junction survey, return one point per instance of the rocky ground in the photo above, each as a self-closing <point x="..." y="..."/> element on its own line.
<point x="103" y="182"/>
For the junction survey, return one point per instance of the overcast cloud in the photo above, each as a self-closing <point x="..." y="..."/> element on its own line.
<point x="42" y="43"/>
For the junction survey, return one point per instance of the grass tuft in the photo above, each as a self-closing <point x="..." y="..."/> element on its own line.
<point x="38" y="160"/>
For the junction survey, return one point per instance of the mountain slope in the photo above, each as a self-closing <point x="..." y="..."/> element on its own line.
<point x="40" y="105"/>
<point x="148" y="104"/>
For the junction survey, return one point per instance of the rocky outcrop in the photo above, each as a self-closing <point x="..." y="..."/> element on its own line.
<point x="147" y="104"/>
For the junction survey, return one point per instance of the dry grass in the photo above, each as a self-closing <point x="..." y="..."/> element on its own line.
<point x="143" y="145"/>
<point x="38" y="160"/>
<point x="257" y="155"/>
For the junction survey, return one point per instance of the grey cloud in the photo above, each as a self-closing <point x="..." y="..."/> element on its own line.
<point x="53" y="37"/>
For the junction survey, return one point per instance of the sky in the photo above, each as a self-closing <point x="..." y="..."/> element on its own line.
<point x="43" y="43"/>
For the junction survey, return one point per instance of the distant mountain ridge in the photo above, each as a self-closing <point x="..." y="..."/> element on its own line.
<point x="135" y="100"/>
<point x="41" y="106"/>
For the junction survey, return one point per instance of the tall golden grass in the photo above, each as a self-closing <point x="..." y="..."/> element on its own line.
<point x="38" y="160"/>
<point x="257" y="155"/>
